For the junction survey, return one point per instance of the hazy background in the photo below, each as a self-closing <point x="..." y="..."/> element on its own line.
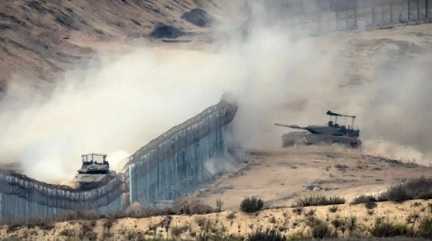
<point x="121" y="101"/>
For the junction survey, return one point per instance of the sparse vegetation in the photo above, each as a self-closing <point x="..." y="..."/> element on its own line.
<point x="298" y="210"/>
<point x="191" y="206"/>
<point x="412" y="218"/>
<point x="364" y="199"/>
<point x="420" y="188"/>
<point x="370" y="205"/>
<point x="214" y="237"/>
<point x="178" y="230"/>
<point x="200" y="221"/>
<point x="333" y="209"/>
<point x="251" y="205"/>
<point x="231" y="215"/>
<point x="384" y="228"/>
<point x="268" y="235"/>
<point x="345" y="224"/>
<point x="319" y="228"/>
<point x="319" y="201"/>
<point x="310" y="213"/>
<point x="310" y="225"/>
<point x="425" y="228"/>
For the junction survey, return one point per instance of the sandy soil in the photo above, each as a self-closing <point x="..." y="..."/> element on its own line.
<point x="281" y="176"/>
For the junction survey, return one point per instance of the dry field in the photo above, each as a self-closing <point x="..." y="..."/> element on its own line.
<point x="281" y="176"/>
<point x="340" y="220"/>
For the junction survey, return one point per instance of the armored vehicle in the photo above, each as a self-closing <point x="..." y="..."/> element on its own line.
<point x="94" y="171"/>
<point x="332" y="133"/>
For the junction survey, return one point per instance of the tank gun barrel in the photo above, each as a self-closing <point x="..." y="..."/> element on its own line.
<point x="290" y="126"/>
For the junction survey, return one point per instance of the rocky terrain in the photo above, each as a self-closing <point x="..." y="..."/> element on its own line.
<point x="40" y="39"/>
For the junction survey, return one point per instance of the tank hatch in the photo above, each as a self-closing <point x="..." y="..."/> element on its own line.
<point x="94" y="171"/>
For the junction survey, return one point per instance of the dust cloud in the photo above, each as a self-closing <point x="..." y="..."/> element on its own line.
<point x="120" y="102"/>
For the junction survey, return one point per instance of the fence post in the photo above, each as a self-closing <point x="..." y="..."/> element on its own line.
<point x="427" y="10"/>
<point x="418" y="11"/>
<point x="356" y="15"/>
<point x="391" y="11"/>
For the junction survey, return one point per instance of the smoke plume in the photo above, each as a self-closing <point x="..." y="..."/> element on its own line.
<point x="121" y="101"/>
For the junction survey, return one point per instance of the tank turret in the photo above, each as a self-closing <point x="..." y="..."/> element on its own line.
<point x="94" y="164"/>
<point x="326" y="134"/>
<point x="94" y="171"/>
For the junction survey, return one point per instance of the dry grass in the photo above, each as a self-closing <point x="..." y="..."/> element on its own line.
<point x="420" y="188"/>
<point x="319" y="201"/>
<point x="317" y="222"/>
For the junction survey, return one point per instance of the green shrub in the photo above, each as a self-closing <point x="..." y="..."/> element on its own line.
<point x="319" y="201"/>
<point x="268" y="235"/>
<point x="251" y="205"/>
<point x="425" y="228"/>
<point x="386" y="229"/>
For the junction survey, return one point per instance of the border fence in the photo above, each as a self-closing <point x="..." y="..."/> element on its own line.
<point x="170" y="166"/>
<point x="321" y="16"/>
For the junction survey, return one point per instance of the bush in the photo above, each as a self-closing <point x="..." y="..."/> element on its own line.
<point x="319" y="201"/>
<point x="298" y="210"/>
<point x="319" y="228"/>
<point x="231" y="215"/>
<point x="396" y="194"/>
<point x="333" y="209"/>
<point x="386" y="229"/>
<point x="251" y="205"/>
<point x="425" y="228"/>
<point x="370" y="205"/>
<point x="420" y="188"/>
<point x="191" y="206"/>
<point x="268" y="235"/>
<point x="364" y="199"/>
<point x="178" y="230"/>
<point x="205" y="236"/>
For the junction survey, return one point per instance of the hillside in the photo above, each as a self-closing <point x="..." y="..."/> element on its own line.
<point x="40" y="39"/>
<point x="282" y="176"/>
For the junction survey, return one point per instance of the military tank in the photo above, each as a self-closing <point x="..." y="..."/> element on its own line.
<point x="332" y="133"/>
<point x="94" y="171"/>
